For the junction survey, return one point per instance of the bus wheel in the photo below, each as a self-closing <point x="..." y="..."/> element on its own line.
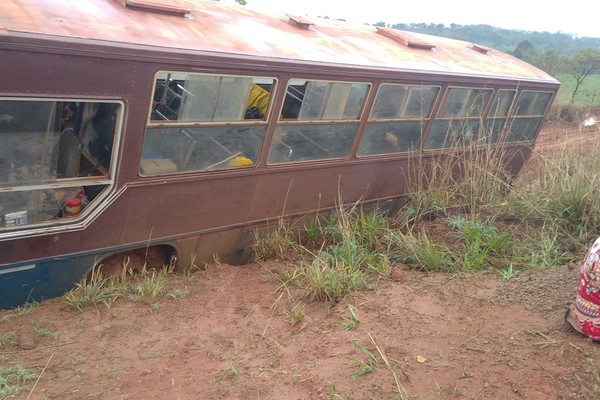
<point x="134" y="261"/>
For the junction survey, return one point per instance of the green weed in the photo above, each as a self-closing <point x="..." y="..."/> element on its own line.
<point x="507" y="273"/>
<point x="148" y="285"/>
<point x="365" y="366"/>
<point x="13" y="379"/>
<point x="7" y="339"/>
<point x="231" y="373"/>
<point x="44" y="332"/>
<point x="328" y="278"/>
<point x="354" y="247"/>
<point x="482" y="242"/>
<point x="352" y="322"/>
<point x="95" y="290"/>
<point x="295" y="314"/>
<point x="563" y="193"/>
<point x="178" y="293"/>
<point x="275" y="244"/>
<point x="420" y="252"/>
<point x="332" y="393"/>
<point x="372" y="362"/>
<point x="25" y="309"/>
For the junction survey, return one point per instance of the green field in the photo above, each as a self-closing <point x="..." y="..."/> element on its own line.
<point x="587" y="95"/>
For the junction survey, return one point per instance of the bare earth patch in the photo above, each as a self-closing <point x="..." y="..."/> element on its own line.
<point x="230" y="336"/>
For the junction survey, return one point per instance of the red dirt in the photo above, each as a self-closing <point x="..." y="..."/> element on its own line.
<point x="433" y="336"/>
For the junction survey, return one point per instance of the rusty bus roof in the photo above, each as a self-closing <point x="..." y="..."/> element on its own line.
<point x="207" y="26"/>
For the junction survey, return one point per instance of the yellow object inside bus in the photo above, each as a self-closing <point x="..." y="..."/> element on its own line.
<point x="258" y="98"/>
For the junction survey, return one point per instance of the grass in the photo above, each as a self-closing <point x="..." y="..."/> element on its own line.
<point x="544" y="218"/>
<point x="44" y="332"/>
<point x="374" y="360"/>
<point x="563" y="195"/>
<point x="507" y="273"/>
<point x="295" y="314"/>
<point x="275" y="244"/>
<point x="419" y="251"/>
<point x="95" y="290"/>
<point x="178" y="293"/>
<point x="13" y="379"/>
<point x="7" y="339"/>
<point x="231" y="373"/>
<point x="483" y="244"/>
<point x="352" y="322"/>
<point x="329" y="278"/>
<point x="365" y="366"/>
<point x="148" y="286"/>
<point x="352" y="250"/>
<point x="588" y="95"/>
<point x="25" y="309"/>
<point x="144" y="287"/>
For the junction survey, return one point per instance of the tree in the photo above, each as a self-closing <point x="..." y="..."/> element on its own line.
<point x="550" y="61"/>
<point x="584" y="62"/>
<point x="524" y="51"/>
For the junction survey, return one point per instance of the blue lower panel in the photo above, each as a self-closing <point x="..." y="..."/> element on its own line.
<point x="41" y="279"/>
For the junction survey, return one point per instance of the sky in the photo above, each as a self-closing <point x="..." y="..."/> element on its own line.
<point x="579" y="18"/>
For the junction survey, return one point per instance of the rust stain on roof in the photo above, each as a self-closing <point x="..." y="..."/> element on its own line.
<point x="212" y="27"/>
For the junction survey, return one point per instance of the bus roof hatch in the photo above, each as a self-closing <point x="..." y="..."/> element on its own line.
<point x="159" y="6"/>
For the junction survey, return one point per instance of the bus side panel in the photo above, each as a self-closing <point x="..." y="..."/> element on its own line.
<point x="516" y="157"/>
<point x="101" y="233"/>
<point x="186" y="207"/>
<point x="105" y="230"/>
<point x="396" y="177"/>
<point x="68" y="75"/>
<point x="41" y="246"/>
<point x="6" y="252"/>
<point x="302" y="191"/>
<point x="38" y="280"/>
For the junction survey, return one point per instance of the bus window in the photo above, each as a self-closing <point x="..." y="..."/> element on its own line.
<point x="458" y="120"/>
<point x="527" y="116"/>
<point x="399" y="116"/>
<point x="184" y="97"/>
<point x="199" y="122"/>
<point x="55" y="157"/>
<point x="318" y="120"/>
<point x="497" y="116"/>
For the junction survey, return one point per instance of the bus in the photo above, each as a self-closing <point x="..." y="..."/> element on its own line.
<point x="177" y="130"/>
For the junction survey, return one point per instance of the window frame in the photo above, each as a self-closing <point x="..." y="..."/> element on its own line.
<point x="284" y="124"/>
<point x="491" y="119"/>
<point x="193" y="128"/>
<point x="99" y="203"/>
<point x="464" y="119"/>
<point x="519" y="118"/>
<point x="400" y="118"/>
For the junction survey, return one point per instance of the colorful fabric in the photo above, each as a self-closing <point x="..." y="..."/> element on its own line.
<point x="587" y="303"/>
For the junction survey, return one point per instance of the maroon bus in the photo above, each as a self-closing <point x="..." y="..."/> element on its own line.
<point x="164" y="129"/>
